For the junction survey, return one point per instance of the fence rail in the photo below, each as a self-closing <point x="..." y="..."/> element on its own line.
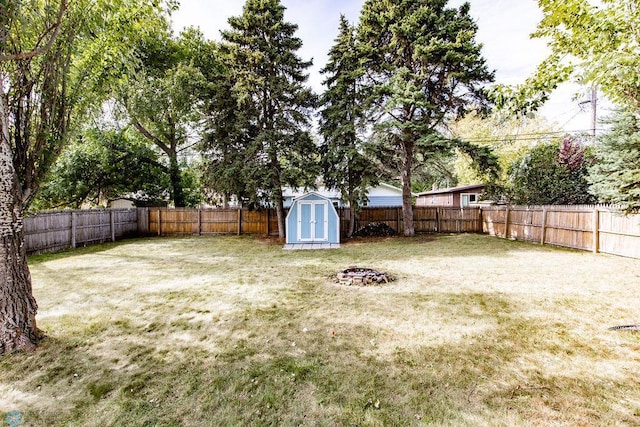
<point x="592" y="227"/>
<point x="60" y="230"/>
<point x="185" y="221"/>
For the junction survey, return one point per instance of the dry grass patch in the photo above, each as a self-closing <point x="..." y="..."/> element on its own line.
<point x="236" y="331"/>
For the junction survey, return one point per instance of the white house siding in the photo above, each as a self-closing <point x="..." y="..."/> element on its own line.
<point x="386" y="201"/>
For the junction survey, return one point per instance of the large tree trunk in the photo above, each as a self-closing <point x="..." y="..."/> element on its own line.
<point x="18" y="307"/>
<point x="352" y="215"/>
<point x="407" y="208"/>
<point x="280" y="214"/>
<point x="177" y="193"/>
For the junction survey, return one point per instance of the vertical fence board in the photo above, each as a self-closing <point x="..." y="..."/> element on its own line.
<point x="59" y="230"/>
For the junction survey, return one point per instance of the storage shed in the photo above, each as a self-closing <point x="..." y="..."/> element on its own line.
<point x="312" y="223"/>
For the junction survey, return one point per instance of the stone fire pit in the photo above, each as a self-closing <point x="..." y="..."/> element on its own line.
<point x="362" y="277"/>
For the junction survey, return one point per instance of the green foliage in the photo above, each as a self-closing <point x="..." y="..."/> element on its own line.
<point x="268" y="86"/>
<point x="551" y="174"/>
<point x="509" y="138"/>
<point x="424" y="68"/>
<point x="103" y="165"/>
<point x="615" y="177"/>
<point x="227" y="135"/>
<point x="164" y="100"/>
<point x="596" y="45"/>
<point x="58" y="60"/>
<point x="343" y="156"/>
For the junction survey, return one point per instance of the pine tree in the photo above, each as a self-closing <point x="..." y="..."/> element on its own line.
<point x="270" y="88"/>
<point x="615" y="176"/>
<point x="344" y="164"/>
<point x="424" y="68"/>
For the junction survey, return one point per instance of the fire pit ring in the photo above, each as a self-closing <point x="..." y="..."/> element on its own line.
<point x="362" y="277"/>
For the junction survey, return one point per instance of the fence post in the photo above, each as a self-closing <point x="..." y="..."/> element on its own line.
<point x="239" y="221"/>
<point x="159" y="221"/>
<point x="268" y="210"/>
<point x="112" y="225"/>
<point x="544" y="226"/>
<point x="199" y="223"/>
<point x="437" y="220"/>
<point x="506" y="223"/>
<point x="73" y="230"/>
<point x="596" y="230"/>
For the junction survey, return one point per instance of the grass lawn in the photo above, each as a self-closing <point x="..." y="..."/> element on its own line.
<point x="217" y="331"/>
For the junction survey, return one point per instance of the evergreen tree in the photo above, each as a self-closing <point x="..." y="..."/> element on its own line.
<point x="228" y="132"/>
<point x="424" y="68"/>
<point x="615" y="177"/>
<point x="343" y="161"/>
<point x="270" y="88"/>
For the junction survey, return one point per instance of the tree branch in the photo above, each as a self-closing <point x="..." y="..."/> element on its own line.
<point x="164" y="147"/>
<point x="40" y="50"/>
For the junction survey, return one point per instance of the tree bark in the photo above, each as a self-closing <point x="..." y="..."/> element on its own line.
<point x="177" y="193"/>
<point x="407" y="208"/>
<point x="352" y="216"/>
<point x="276" y="196"/>
<point x="18" y="307"/>
<point x="280" y="214"/>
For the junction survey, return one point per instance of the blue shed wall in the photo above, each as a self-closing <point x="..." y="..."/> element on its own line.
<point x="333" y="220"/>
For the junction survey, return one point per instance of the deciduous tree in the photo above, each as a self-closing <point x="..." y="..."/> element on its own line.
<point x="593" y="43"/>
<point x="102" y="165"/>
<point x="56" y="59"/>
<point x="552" y="174"/>
<point x="164" y="100"/>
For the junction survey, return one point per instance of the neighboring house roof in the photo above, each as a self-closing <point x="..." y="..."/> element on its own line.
<point x="380" y="189"/>
<point x="386" y="189"/>
<point x="453" y="189"/>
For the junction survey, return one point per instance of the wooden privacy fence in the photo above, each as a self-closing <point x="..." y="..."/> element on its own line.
<point x="60" y="230"/>
<point x="592" y="228"/>
<point x="589" y="227"/>
<point x="162" y="221"/>
<point x="425" y="219"/>
<point x="243" y="221"/>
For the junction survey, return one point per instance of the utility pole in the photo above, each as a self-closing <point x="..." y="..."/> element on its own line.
<point x="594" y="103"/>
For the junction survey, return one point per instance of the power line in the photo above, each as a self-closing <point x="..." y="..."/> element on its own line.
<point x="528" y="136"/>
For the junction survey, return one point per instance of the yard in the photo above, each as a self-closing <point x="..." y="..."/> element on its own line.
<point x="235" y="331"/>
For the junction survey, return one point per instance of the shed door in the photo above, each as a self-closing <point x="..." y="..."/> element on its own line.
<point x="313" y="221"/>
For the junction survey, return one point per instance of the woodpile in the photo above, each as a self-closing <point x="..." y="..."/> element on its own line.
<point x="362" y="277"/>
<point x="375" y="229"/>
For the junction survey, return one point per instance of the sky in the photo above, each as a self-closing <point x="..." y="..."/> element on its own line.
<point x="504" y="28"/>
